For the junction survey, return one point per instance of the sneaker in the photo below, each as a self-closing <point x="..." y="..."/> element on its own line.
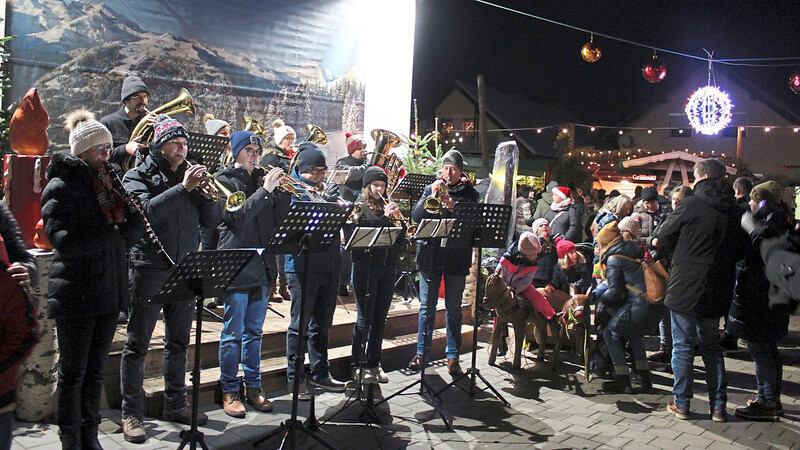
<point x="382" y="377"/>
<point x="778" y="406"/>
<point x="370" y="377"/>
<point x="718" y="415"/>
<point x="343" y="292"/>
<point x="680" y="413"/>
<point x="133" y="430"/>
<point x="328" y="384"/>
<point x="184" y="416"/>
<point x="757" y="411"/>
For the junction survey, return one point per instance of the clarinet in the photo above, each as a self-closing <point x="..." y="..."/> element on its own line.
<point x="132" y="203"/>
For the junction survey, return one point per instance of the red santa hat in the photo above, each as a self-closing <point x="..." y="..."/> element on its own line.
<point x="562" y="192"/>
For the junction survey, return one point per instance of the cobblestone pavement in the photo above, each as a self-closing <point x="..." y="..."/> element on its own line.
<point x="548" y="410"/>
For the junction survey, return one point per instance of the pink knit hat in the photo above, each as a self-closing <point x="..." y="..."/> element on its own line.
<point x="563" y="247"/>
<point x="529" y="245"/>
<point x="354" y="142"/>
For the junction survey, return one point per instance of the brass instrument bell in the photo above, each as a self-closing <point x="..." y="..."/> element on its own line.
<point x="183" y="103"/>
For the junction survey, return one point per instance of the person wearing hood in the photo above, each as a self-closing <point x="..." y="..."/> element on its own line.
<point x="704" y="238"/>
<point x="169" y="192"/>
<point x="564" y="216"/>
<point x="320" y="288"/>
<point x="629" y="313"/>
<point x="751" y="318"/>
<point x="88" y="226"/>
<point x="247" y="297"/>
<point x="543" y="205"/>
<point x="435" y="263"/>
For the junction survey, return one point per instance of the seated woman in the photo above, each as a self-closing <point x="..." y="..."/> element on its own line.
<point x="629" y="315"/>
<point x="572" y="268"/>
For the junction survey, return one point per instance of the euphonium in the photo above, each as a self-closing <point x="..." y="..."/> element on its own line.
<point x="183" y="103"/>
<point x="251" y="124"/>
<point x="385" y="141"/>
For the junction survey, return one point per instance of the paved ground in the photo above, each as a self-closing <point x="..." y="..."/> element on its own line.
<point x="548" y="410"/>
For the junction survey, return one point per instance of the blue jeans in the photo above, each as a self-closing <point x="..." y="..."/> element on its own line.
<point x="429" y="296"/>
<point x="686" y="332"/>
<point x="665" y="330"/>
<point x="244" y="322"/>
<point x="769" y="371"/>
<point x="381" y="288"/>
<point x="616" y="349"/>
<point x="318" y="316"/>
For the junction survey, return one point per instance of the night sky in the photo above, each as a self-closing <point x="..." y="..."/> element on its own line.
<point x="458" y="39"/>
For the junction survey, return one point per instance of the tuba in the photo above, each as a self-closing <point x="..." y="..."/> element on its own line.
<point x="183" y="103"/>
<point x="252" y="124"/>
<point x="385" y="141"/>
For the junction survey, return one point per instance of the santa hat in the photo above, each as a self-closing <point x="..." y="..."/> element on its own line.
<point x="354" y="142"/>
<point x="562" y="192"/>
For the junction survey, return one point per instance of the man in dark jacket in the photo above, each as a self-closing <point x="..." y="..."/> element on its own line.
<point x="649" y="211"/>
<point x="705" y="240"/>
<point x="435" y="262"/>
<point x="247" y="298"/>
<point x="168" y="191"/>
<point x="135" y="97"/>
<point x="356" y="161"/>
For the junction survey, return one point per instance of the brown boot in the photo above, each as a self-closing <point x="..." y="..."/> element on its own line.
<point x="232" y="405"/>
<point x="453" y="367"/>
<point x="274" y="296"/>
<point x="416" y="362"/>
<point x="283" y="289"/>
<point x="257" y="400"/>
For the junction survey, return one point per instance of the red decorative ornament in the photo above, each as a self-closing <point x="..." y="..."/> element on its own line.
<point x="794" y="83"/>
<point x="654" y="71"/>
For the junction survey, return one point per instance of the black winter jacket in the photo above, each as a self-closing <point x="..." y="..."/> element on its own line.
<point x="251" y="226"/>
<point x="353" y="184"/>
<point x="566" y="223"/>
<point x="15" y="246"/>
<point x="120" y="125"/>
<point x="430" y="255"/>
<point x="175" y="214"/>
<point x="381" y="257"/>
<point x="89" y="275"/>
<point x="704" y="238"/>
<point x="750" y="316"/>
<point x="782" y="266"/>
<point x="621" y="272"/>
<point x="546" y="263"/>
<point x="275" y="156"/>
<point x="579" y="274"/>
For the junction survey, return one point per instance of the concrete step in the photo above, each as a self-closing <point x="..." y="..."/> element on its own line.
<point x="397" y="351"/>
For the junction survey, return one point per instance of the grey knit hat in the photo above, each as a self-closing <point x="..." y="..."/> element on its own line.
<point x="214" y="125"/>
<point x="132" y="85"/>
<point x="453" y="157"/>
<point x="85" y="132"/>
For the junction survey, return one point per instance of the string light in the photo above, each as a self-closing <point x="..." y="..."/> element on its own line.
<point x="767" y="129"/>
<point x="649" y="131"/>
<point x="592" y="129"/>
<point x="621" y="132"/>
<point x="565" y="130"/>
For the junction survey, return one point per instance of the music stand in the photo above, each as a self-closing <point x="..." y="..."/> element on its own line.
<point x="412" y="184"/>
<point x="199" y="274"/>
<point x="307" y="227"/>
<point x="428" y="228"/>
<point x="208" y="149"/>
<point x="367" y="238"/>
<point x="478" y="225"/>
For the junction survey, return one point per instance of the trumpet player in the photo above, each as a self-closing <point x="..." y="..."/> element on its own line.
<point x="435" y="262"/>
<point x="88" y="226"/>
<point x="168" y="189"/>
<point x="134" y="97"/>
<point x="246" y="299"/>
<point x="381" y="268"/>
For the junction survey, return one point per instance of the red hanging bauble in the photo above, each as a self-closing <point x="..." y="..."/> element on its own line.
<point x="794" y="83"/>
<point x="654" y="71"/>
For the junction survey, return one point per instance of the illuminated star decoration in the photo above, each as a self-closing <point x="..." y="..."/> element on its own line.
<point x="709" y="110"/>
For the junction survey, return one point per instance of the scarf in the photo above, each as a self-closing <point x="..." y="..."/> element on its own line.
<point x="560" y="206"/>
<point x="111" y="205"/>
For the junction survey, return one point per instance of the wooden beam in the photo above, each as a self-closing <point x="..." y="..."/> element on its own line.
<point x="667" y="177"/>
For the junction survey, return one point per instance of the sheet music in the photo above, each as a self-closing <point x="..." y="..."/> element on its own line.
<point x="362" y="237"/>
<point x="386" y="237"/>
<point x="426" y="228"/>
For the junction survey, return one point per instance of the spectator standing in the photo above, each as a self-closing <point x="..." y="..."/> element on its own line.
<point x="543" y="205"/>
<point x="564" y="216"/>
<point x="523" y="211"/>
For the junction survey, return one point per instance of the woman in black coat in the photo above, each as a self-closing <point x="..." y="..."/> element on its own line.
<point x="87" y="225"/>
<point x="751" y="317"/>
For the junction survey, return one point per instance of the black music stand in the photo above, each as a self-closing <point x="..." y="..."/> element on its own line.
<point x="412" y="184"/>
<point x="200" y="274"/>
<point x="307" y="228"/>
<point x="478" y="225"/>
<point x="428" y="228"/>
<point x="367" y="238"/>
<point x="207" y="149"/>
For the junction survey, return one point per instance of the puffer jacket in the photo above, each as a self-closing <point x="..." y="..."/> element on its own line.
<point x="386" y="256"/>
<point x="518" y="271"/>
<point x="546" y="263"/>
<point x="650" y="221"/>
<point x="751" y="317"/>
<point x="523" y="216"/>
<point x="565" y="223"/>
<point x="276" y="157"/>
<point x="251" y="226"/>
<point x="175" y="214"/>
<point x="430" y="255"/>
<point x="89" y="274"/>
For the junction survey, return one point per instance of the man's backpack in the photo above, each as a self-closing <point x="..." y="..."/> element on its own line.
<point x="655" y="280"/>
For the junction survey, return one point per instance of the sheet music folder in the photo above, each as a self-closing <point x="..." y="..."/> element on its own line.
<point x="373" y="237"/>
<point x="434" y="228"/>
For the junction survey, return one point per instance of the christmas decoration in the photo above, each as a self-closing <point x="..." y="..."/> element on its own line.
<point x="794" y="83"/>
<point x="654" y="71"/>
<point x="709" y="110"/>
<point x="590" y="52"/>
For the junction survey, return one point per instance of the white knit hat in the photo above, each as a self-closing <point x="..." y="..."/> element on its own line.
<point x="85" y="132"/>
<point x="214" y="125"/>
<point x="282" y="130"/>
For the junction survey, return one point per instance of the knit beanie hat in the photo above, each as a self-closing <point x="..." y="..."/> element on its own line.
<point x="609" y="233"/>
<point x="564" y="246"/>
<point x="240" y="140"/>
<point x="167" y="128"/>
<point x="631" y="224"/>
<point x="529" y="245"/>
<point x="561" y="191"/>
<point x="214" y="125"/>
<point x="132" y="85"/>
<point x="649" y="194"/>
<point x="768" y="190"/>
<point x="281" y="131"/>
<point x="551" y="185"/>
<point x="538" y="223"/>
<point x="453" y="157"/>
<point x="354" y="142"/>
<point x="85" y="132"/>
<point x="309" y="156"/>
<point x="374" y="173"/>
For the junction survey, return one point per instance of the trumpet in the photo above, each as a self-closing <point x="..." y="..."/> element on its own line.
<point x="296" y="188"/>
<point x="213" y="190"/>
<point x="400" y="220"/>
<point x="433" y="204"/>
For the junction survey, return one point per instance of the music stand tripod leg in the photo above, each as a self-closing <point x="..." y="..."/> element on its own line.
<point x="193" y="436"/>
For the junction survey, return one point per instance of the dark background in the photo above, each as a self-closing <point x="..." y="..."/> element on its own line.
<point x="458" y="39"/>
